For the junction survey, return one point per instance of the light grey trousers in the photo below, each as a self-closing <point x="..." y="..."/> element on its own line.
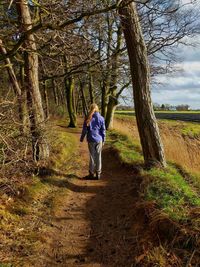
<point x="95" y="157"/>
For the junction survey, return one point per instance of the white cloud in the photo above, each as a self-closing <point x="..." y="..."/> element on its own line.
<point x="182" y="87"/>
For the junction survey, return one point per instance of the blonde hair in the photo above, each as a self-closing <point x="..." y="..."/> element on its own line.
<point x="93" y="108"/>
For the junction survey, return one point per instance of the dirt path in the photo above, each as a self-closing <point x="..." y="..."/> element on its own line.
<point x="95" y="223"/>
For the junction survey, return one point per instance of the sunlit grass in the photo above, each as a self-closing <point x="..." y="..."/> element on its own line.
<point x="129" y="151"/>
<point x="191" y="130"/>
<point x="174" y="194"/>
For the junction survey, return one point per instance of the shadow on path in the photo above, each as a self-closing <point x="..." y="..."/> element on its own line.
<point x="99" y="221"/>
<point x="113" y="215"/>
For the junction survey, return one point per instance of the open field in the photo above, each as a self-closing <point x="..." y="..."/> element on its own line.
<point x="192" y="116"/>
<point x="181" y="140"/>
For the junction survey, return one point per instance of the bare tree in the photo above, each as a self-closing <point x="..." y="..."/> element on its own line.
<point x="148" y="129"/>
<point x="36" y="112"/>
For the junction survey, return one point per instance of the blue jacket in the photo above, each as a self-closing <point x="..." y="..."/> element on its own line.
<point x="96" y="130"/>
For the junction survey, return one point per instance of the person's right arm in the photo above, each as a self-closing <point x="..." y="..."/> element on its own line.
<point x="103" y="130"/>
<point x="84" y="131"/>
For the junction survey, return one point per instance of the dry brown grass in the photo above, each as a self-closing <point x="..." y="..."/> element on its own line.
<point x="182" y="150"/>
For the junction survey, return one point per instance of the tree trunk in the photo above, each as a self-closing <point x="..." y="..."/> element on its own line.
<point x="77" y="102"/>
<point x="91" y="91"/>
<point x="36" y="112"/>
<point x="18" y="90"/>
<point x="11" y="72"/>
<point x="106" y="70"/>
<point x="84" y="104"/>
<point x="69" y="88"/>
<point x="113" y="99"/>
<point x="23" y="112"/>
<point x="55" y="93"/>
<point x="147" y="125"/>
<point x="46" y="100"/>
<point x="112" y="104"/>
<point x="103" y="99"/>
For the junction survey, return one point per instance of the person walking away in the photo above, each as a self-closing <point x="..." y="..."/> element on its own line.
<point x="94" y="129"/>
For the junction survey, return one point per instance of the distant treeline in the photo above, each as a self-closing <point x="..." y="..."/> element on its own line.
<point x="157" y="107"/>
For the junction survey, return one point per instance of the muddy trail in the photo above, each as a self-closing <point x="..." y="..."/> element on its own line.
<point x="97" y="223"/>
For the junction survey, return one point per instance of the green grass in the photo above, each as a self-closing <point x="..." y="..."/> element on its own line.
<point x="129" y="151"/>
<point x="191" y="130"/>
<point x="173" y="194"/>
<point x="64" y="145"/>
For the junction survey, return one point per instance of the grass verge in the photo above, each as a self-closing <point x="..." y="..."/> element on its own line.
<point x="129" y="152"/>
<point x="170" y="199"/>
<point x="174" y="194"/>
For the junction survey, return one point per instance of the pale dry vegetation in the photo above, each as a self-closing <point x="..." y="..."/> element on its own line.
<point x="179" y="148"/>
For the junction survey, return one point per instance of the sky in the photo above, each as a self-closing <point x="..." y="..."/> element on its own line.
<point x="182" y="87"/>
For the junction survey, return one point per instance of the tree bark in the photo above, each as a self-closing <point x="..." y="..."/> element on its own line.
<point x="113" y="99"/>
<point x="104" y="98"/>
<point x="11" y="72"/>
<point x="106" y="70"/>
<point x="55" y="93"/>
<point x="35" y="108"/>
<point x="69" y="88"/>
<point x="46" y="100"/>
<point x="112" y="104"/>
<point x="18" y="90"/>
<point x="91" y="91"/>
<point x="147" y="125"/>
<point x="84" y="104"/>
<point x="23" y="112"/>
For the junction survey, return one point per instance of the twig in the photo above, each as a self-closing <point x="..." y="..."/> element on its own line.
<point x="10" y="4"/>
<point x="188" y="264"/>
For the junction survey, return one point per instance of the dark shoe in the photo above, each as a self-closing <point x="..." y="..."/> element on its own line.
<point x="87" y="177"/>
<point x="91" y="175"/>
<point x="98" y="176"/>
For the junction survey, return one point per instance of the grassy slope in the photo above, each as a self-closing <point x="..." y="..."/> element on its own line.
<point x="174" y="195"/>
<point x="172" y="205"/>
